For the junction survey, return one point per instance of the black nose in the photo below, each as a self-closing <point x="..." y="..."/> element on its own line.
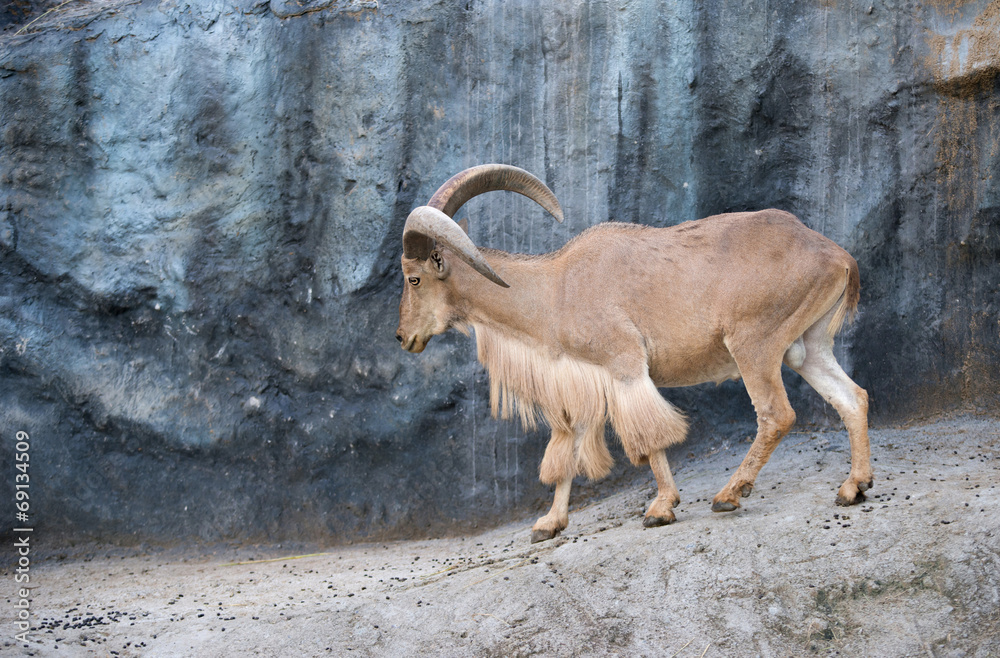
<point x="399" y="337"/>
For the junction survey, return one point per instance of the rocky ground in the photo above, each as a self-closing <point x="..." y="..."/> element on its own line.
<point x="914" y="571"/>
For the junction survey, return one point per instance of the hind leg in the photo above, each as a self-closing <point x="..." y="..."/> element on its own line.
<point x="824" y="374"/>
<point x="775" y="416"/>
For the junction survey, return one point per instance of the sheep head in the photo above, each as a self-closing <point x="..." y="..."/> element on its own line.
<point x="431" y="238"/>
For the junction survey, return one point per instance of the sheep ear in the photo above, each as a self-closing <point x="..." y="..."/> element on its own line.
<point x="426" y="226"/>
<point x="464" y="223"/>
<point x="441" y="268"/>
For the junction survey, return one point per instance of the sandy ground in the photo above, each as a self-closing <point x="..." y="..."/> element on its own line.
<point x="914" y="571"/>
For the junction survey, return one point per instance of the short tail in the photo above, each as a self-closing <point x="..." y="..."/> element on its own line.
<point x="847" y="307"/>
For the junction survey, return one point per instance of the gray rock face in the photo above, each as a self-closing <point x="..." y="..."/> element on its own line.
<point x="201" y="207"/>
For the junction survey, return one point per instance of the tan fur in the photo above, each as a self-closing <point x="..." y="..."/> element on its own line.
<point x="848" y="305"/>
<point x="643" y="420"/>
<point x="584" y="336"/>
<point x="592" y="456"/>
<point x="567" y="455"/>
<point x="569" y="394"/>
<point x="559" y="462"/>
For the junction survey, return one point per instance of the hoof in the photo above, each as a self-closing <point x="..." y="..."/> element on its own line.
<point x="745" y="490"/>
<point x="724" y="506"/>
<point x="541" y="534"/>
<point x="657" y="521"/>
<point x="865" y="486"/>
<point x="845" y="502"/>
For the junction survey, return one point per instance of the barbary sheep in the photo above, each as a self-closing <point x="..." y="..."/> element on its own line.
<point x="586" y="334"/>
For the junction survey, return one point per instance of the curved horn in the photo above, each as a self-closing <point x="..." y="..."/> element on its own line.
<point x="433" y="222"/>
<point x="488" y="178"/>
<point x="426" y="225"/>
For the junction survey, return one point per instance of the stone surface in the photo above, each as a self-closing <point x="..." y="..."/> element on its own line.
<point x="201" y="206"/>
<point x="913" y="572"/>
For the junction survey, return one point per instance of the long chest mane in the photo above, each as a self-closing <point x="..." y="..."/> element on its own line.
<point x="527" y="381"/>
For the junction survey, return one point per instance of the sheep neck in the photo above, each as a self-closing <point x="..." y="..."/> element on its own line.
<point x="524" y="311"/>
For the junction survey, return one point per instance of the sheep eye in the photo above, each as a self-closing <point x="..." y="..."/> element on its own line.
<point x="414" y="280"/>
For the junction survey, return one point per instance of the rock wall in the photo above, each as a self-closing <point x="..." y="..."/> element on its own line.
<point x="201" y="207"/>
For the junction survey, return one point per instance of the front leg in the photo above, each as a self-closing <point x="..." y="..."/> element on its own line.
<point x="558" y="467"/>
<point x="557" y="519"/>
<point x="661" y="510"/>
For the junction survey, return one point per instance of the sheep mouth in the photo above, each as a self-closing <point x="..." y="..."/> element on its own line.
<point x="414" y="345"/>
